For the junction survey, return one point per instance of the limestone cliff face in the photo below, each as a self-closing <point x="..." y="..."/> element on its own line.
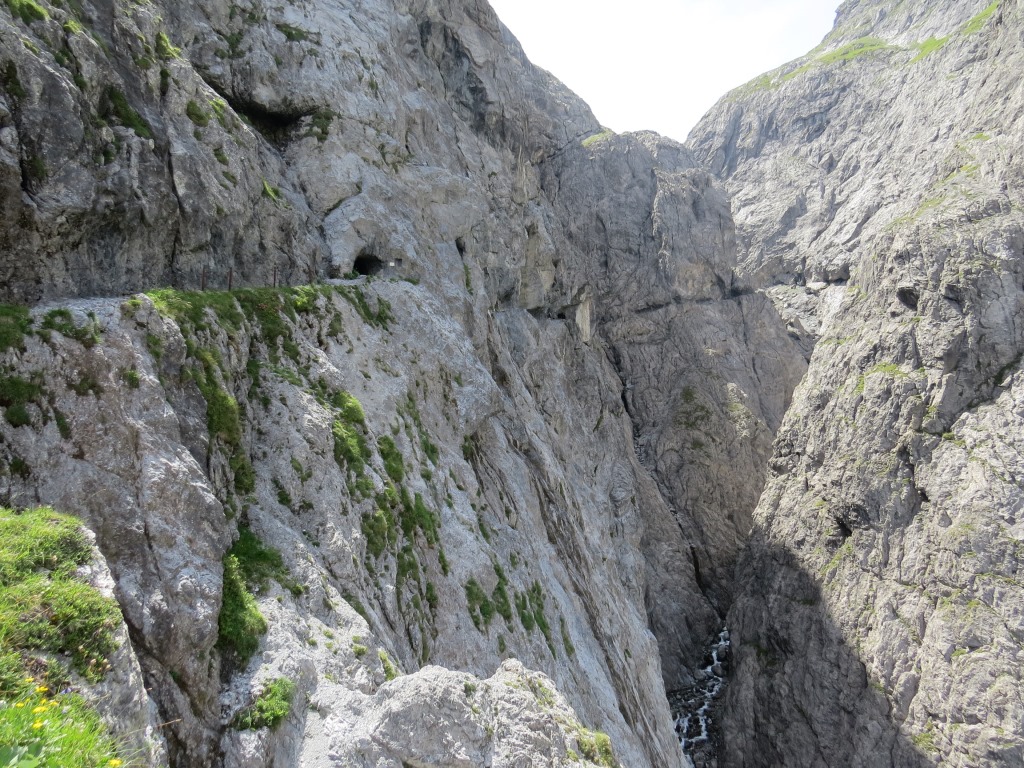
<point x="554" y="364"/>
<point x="876" y="192"/>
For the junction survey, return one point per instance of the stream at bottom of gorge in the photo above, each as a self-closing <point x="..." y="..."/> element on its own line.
<point x="693" y="707"/>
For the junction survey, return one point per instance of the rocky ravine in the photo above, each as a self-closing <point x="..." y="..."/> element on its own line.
<point x="527" y="419"/>
<point x="519" y="415"/>
<point x="876" y="186"/>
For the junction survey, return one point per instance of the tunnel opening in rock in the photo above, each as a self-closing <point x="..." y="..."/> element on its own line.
<point x="367" y="264"/>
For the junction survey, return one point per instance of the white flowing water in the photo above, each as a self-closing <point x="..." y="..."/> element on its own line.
<point x="691" y="707"/>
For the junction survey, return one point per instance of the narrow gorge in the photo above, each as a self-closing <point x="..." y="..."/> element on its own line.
<point x="415" y="419"/>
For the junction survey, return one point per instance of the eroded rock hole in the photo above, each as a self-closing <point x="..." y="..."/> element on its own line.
<point x="908" y="297"/>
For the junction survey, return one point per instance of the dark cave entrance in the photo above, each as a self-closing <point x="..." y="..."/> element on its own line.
<point x="368" y="264"/>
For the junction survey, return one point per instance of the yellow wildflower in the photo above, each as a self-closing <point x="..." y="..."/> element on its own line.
<point x="37" y="710"/>
<point x="114" y="763"/>
<point x="20" y="704"/>
<point x="37" y="725"/>
<point x="41" y="689"/>
<point x="30" y="679"/>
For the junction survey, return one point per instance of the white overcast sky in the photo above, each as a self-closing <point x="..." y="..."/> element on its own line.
<point x="661" y="64"/>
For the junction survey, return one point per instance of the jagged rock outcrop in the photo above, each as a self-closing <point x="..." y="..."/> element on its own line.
<point x="876" y="191"/>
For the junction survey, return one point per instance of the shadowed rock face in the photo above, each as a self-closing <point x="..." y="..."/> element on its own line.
<point x="875" y="188"/>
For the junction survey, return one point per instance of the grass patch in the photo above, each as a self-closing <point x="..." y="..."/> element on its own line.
<point x="197" y="114"/>
<point x="392" y="458"/>
<point x="885" y="369"/>
<point x="15" y="323"/>
<point x="28" y="10"/>
<point x="926" y="740"/>
<point x="272" y="309"/>
<point x="390" y="671"/>
<point x="259" y="563"/>
<point x="270" y="191"/>
<point x="567" y="643"/>
<point x="499" y="596"/>
<point x="125" y="114"/>
<point x="63" y="322"/>
<point x="929" y="46"/>
<point x="414" y="514"/>
<point x="844" y="551"/>
<point x="220" y="111"/>
<point x="481" y="609"/>
<point x="854" y="50"/>
<point x="43" y="607"/>
<point x="15" y="394"/>
<point x="248" y="565"/>
<point x="378" y="318"/>
<point x="596" y="747"/>
<point x="164" y="48"/>
<point x="9" y="80"/>
<point x="191" y="307"/>
<point x="379" y="531"/>
<point x="597" y="137"/>
<point x="320" y="124"/>
<point x="240" y="623"/>
<point x="974" y="25"/>
<point x="272" y="706"/>
<point x="43" y="730"/>
<point x="293" y="34"/>
<point x="535" y="594"/>
<point x="222" y="412"/>
<point x="47" y="614"/>
<point x="691" y="413"/>
<point x="351" y="410"/>
<point x="350" y="449"/>
<point x="761" y="83"/>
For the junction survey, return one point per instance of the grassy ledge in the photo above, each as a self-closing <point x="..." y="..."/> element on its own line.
<point x="48" y="614"/>
<point x="978" y="22"/>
